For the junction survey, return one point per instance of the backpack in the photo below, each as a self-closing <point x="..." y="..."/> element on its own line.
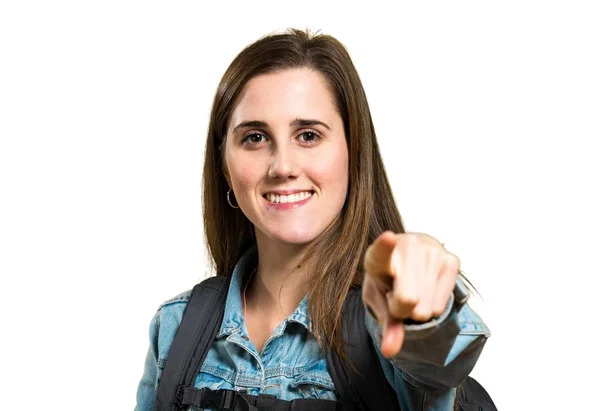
<point x="364" y="389"/>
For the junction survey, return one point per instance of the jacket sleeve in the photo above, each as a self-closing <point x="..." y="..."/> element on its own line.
<point x="146" y="392"/>
<point x="436" y="356"/>
<point x="163" y="328"/>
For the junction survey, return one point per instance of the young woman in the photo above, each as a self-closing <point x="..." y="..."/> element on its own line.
<point x="293" y="174"/>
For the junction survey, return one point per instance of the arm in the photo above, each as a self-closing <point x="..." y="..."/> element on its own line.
<point x="438" y="354"/>
<point x="427" y="339"/>
<point x="163" y="328"/>
<point x="146" y="391"/>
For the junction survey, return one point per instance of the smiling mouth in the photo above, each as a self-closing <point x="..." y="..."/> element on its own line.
<point x="286" y="199"/>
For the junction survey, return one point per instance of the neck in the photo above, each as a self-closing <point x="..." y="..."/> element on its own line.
<point x="279" y="283"/>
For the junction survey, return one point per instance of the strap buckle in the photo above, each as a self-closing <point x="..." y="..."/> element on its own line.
<point x="228" y="398"/>
<point x="220" y="399"/>
<point x="205" y="398"/>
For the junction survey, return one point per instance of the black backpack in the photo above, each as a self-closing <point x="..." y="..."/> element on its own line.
<point x="363" y="389"/>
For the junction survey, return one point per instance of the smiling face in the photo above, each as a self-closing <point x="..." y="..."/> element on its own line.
<point x="286" y="157"/>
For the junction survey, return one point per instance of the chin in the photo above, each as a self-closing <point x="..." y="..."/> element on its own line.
<point x="297" y="239"/>
<point x="294" y="236"/>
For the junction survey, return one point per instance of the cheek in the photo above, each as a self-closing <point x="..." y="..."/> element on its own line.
<point x="341" y="165"/>
<point x="241" y="169"/>
<point x="332" y="170"/>
<point x="244" y="178"/>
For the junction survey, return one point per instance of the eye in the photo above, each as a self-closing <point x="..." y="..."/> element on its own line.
<point x="253" y="138"/>
<point x="309" y="136"/>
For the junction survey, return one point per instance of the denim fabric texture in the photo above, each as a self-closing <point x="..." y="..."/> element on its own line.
<point x="435" y="356"/>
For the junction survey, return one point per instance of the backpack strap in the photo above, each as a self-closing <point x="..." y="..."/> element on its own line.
<point x="473" y="397"/>
<point x="232" y="400"/>
<point x="201" y="321"/>
<point x="365" y="384"/>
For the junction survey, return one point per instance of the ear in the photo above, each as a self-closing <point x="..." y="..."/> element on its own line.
<point x="226" y="174"/>
<point x="223" y="161"/>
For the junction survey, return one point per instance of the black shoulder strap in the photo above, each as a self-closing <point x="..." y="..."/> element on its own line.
<point x="365" y="383"/>
<point x="473" y="397"/>
<point x="201" y="321"/>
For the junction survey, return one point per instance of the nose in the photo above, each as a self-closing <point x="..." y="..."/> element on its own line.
<point x="283" y="164"/>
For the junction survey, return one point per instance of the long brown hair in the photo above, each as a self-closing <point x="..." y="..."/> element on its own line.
<point x="336" y="255"/>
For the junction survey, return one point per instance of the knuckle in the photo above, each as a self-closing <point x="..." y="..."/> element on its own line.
<point x="438" y="310"/>
<point x="401" y="306"/>
<point x="397" y="310"/>
<point x="407" y="299"/>
<point x="413" y="240"/>
<point x="437" y="313"/>
<point x="453" y="262"/>
<point x="421" y="313"/>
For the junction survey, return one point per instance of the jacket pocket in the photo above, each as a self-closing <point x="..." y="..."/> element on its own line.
<point x="313" y="385"/>
<point x="214" y="379"/>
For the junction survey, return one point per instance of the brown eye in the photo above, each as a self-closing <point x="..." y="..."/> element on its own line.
<point x="309" y="137"/>
<point x="254" y="138"/>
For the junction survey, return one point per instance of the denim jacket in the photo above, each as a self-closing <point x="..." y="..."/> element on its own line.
<point x="435" y="356"/>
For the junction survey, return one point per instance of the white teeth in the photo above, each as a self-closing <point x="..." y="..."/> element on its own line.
<point x="292" y="198"/>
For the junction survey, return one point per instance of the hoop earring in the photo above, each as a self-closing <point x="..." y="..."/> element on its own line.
<point x="229" y="200"/>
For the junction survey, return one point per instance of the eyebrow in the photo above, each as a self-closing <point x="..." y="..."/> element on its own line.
<point x="299" y="122"/>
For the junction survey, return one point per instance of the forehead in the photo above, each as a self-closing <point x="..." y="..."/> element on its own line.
<point x="285" y="95"/>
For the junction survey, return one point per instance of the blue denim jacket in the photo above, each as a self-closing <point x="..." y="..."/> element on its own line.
<point x="435" y="356"/>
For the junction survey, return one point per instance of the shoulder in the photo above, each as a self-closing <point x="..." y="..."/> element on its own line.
<point x="179" y="299"/>
<point x="173" y="308"/>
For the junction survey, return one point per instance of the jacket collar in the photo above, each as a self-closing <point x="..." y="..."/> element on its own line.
<point x="233" y="318"/>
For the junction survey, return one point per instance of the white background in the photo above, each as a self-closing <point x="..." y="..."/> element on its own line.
<point x="488" y="121"/>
